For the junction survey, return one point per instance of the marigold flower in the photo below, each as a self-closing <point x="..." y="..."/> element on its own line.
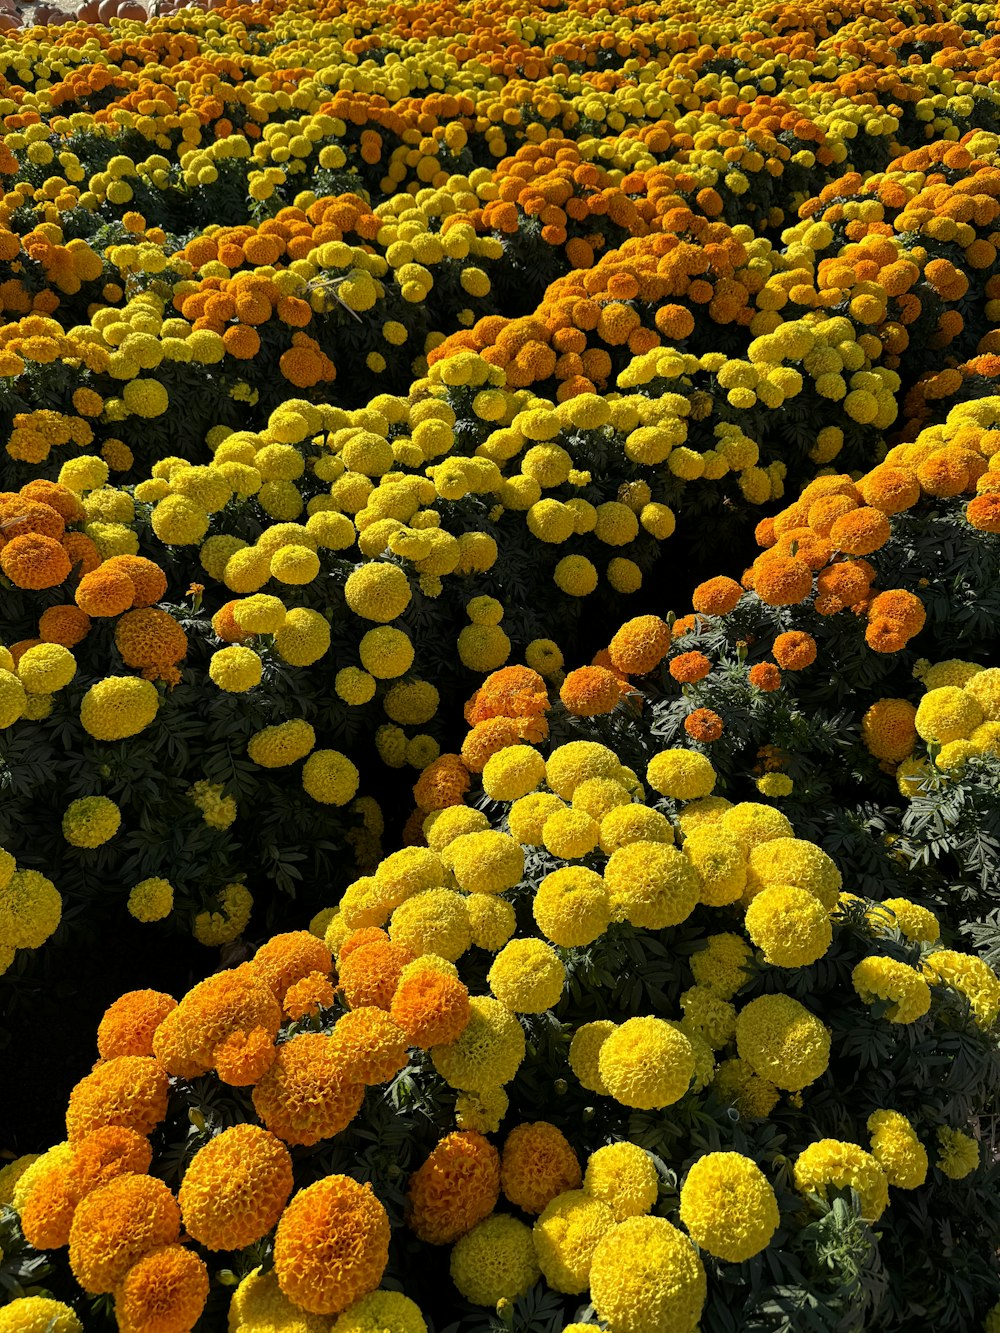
<point x="370" y="1046"/>
<point x="590" y="691"/>
<point x="831" y="1164"/>
<point x="332" y="1245"/>
<point x="495" y="1261"/>
<point x="566" y="1235"/>
<point x="114" y="1226"/>
<point x="782" y="1041"/>
<point x="38" y="1314"/>
<point x="537" y="1164"/>
<point x="431" y="1007"/>
<point x="704" y="726"/>
<point x="456" y="1187"/>
<point x="235" y="1188"/>
<point x="646" y="1276"/>
<point x="307" y="1095"/>
<point x="640" y="645"/>
<point x="130" y="1090"/>
<point x="288" y="958"/>
<point x="129" y="1023"/>
<point x="487" y="1053"/>
<point x="728" y="1206"/>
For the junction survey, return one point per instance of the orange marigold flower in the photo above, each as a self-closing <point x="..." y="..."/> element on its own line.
<point x="718" y="596"/>
<point x="104" y="592"/>
<point x="287" y="958"/>
<point x="309" y="996"/>
<point x="794" y="650"/>
<point x="244" y="1057"/>
<point x="640" y="645"/>
<point x="47" y="1215"/>
<point x="236" y="1000"/>
<point x="900" y="607"/>
<point x="359" y="938"/>
<point x="885" y="636"/>
<point x="164" y="1292"/>
<point x="984" y="512"/>
<point x="65" y="624"/>
<point x="306" y="1094"/>
<point x="442" y="783"/>
<point x="105" y="1154"/>
<point x="332" y="1245"/>
<point x="514" y="691"/>
<point x="128" y="1025"/>
<point x="888" y="729"/>
<point x="487" y="739"/>
<point x="35" y="562"/>
<point x="689" y="667"/>
<point x="235" y="1188"/>
<point x="847" y="582"/>
<point x="371" y="1045"/>
<point x="150" y="637"/>
<point x="116" y="1225"/>
<point x="765" y="676"/>
<point x="781" y="580"/>
<point x="57" y="497"/>
<point x="225" y="625"/>
<point x="704" y="725"/>
<point x="537" y="1164"/>
<point x="370" y="975"/>
<point x="147" y="578"/>
<point x="590" y="691"/>
<point x="83" y="555"/>
<point x="861" y="531"/>
<point x="130" y="1090"/>
<point x="891" y="489"/>
<point x="456" y="1187"/>
<point x="431" y="1008"/>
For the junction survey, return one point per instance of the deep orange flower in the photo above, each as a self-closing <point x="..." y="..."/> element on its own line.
<point x="765" y="676"/>
<point x="306" y="1095"/>
<point x="456" y="1187"/>
<point x="689" y="667"/>
<point x="590" y="691"/>
<point x="332" y="1245"/>
<point x="718" y="596"/>
<point x="432" y="1008"/>
<point x="704" y="725"/>
<point x="287" y="958"/>
<point x="129" y="1023"/>
<point x="794" y="650"/>
<point x="166" y="1289"/>
<point x="538" y="1163"/>
<point x="235" y="1188"/>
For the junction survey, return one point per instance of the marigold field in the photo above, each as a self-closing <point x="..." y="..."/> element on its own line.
<point x="500" y="712"/>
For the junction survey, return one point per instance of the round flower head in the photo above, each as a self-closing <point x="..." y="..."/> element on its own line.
<point x="640" y="645"/>
<point x="114" y="1226"/>
<point x="456" y="1188"/>
<point x="493" y="921"/>
<point x="527" y="976"/>
<point x="495" y="1261"/>
<point x="585" y="1054"/>
<point x="260" y="1306"/>
<point x="900" y="988"/>
<point x="570" y="834"/>
<point x="634" y="823"/>
<point x="798" y="864"/>
<point x="487" y="1054"/>
<point x="38" y="1314"/>
<point x="830" y="1164"/>
<point x="30" y="910"/>
<point x="330" y="777"/>
<point x="130" y="1091"/>
<point x="538" y="1163"/>
<point x="651" y="885"/>
<point x="566" y="1235"/>
<point x="646" y="1063"/>
<point x="431" y="1007"/>
<point x="487" y="862"/>
<point x="948" y="713"/>
<point x="129" y="1023"/>
<point x="306" y="1094"/>
<point x="728" y="1206"/>
<point x="958" y="1153"/>
<point x="571" y="907"/>
<point x="435" y="921"/>
<point x="118" y="707"/>
<point x="235" y="1188"/>
<point x="166" y="1289"/>
<point x="378" y="592"/>
<point x="46" y="668"/>
<point x="370" y="1045"/>
<point x="513" y="772"/>
<point x="789" y="926"/>
<point x="380" y="1312"/>
<point x="720" y="862"/>
<point x="683" y="775"/>
<point x="91" y="821"/>
<point x="569" y="765"/>
<point x="332" y="1245"/>
<point x="898" y="1151"/>
<point x="623" y="1176"/>
<point x="753" y="823"/>
<point x="646" y="1277"/>
<point x="782" y="1041"/>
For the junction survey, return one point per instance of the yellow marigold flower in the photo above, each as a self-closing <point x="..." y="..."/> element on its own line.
<point x="901" y="988"/>
<point x="456" y="1188"/>
<point x="566" y="1235"/>
<point x="897" y="1149"/>
<point x="720" y="862"/>
<point x="46" y="668"/>
<point x="569" y="765"/>
<point x="513" y="772"/>
<point x="753" y="823"/>
<point x="30" y="910"/>
<point x="984" y="687"/>
<point x="789" y="926"/>
<point x="782" y="1041"/>
<point x="712" y="1017"/>
<point x="623" y="1176"/>
<point x="527" y="976"/>
<point x="118" y="707"/>
<point x="916" y="923"/>
<point x="948" y="713"/>
<point x="798" y="864"/>
<point x="683" y="775"/>
<point x="537" y="1164"/>
<point x="888" y="729"/>
<point x="235" y="903"/>
<point x="572" y="907"/>
<point x="330" y="777"/>
<point x="728" y="1206"/>
<point x="495" y="1261"/>
<point x="166" y="1288"/>
<point x="646" y="1276"/>
<point x="235" y="1188"/>
<point x="832" y="1164"/>
<point x="646" y="1063"/>
<point x="435" y="921"/>
<point x="259" y="1306"/>
<point x="442" y="827"/>
<point x="12" y="1173"/>
<point x="281" y="745"/>
<point x="304" y="637"/>
<point x="379" y="1312"/>
<point x="626" y="824"/>
<point x="489" y="1051"/>
<point x="378" y="591"/>
<point x="38" y="1314"/>
<point x="651" y="885"/>
<point x="971" y="977"/>
<point x="332" y="1245"/>
<point x="570" y="834"/>
<point x="235" y="669"/>
<point x="386" y="652"/>
<point x="482" y="1111"/>
<point x="958" y="1153"/>
<point x="487" y="862"/>
<point x="493" y="921"/>
<point x="585" y="1054"/>
<point x="114" y="1226"/>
